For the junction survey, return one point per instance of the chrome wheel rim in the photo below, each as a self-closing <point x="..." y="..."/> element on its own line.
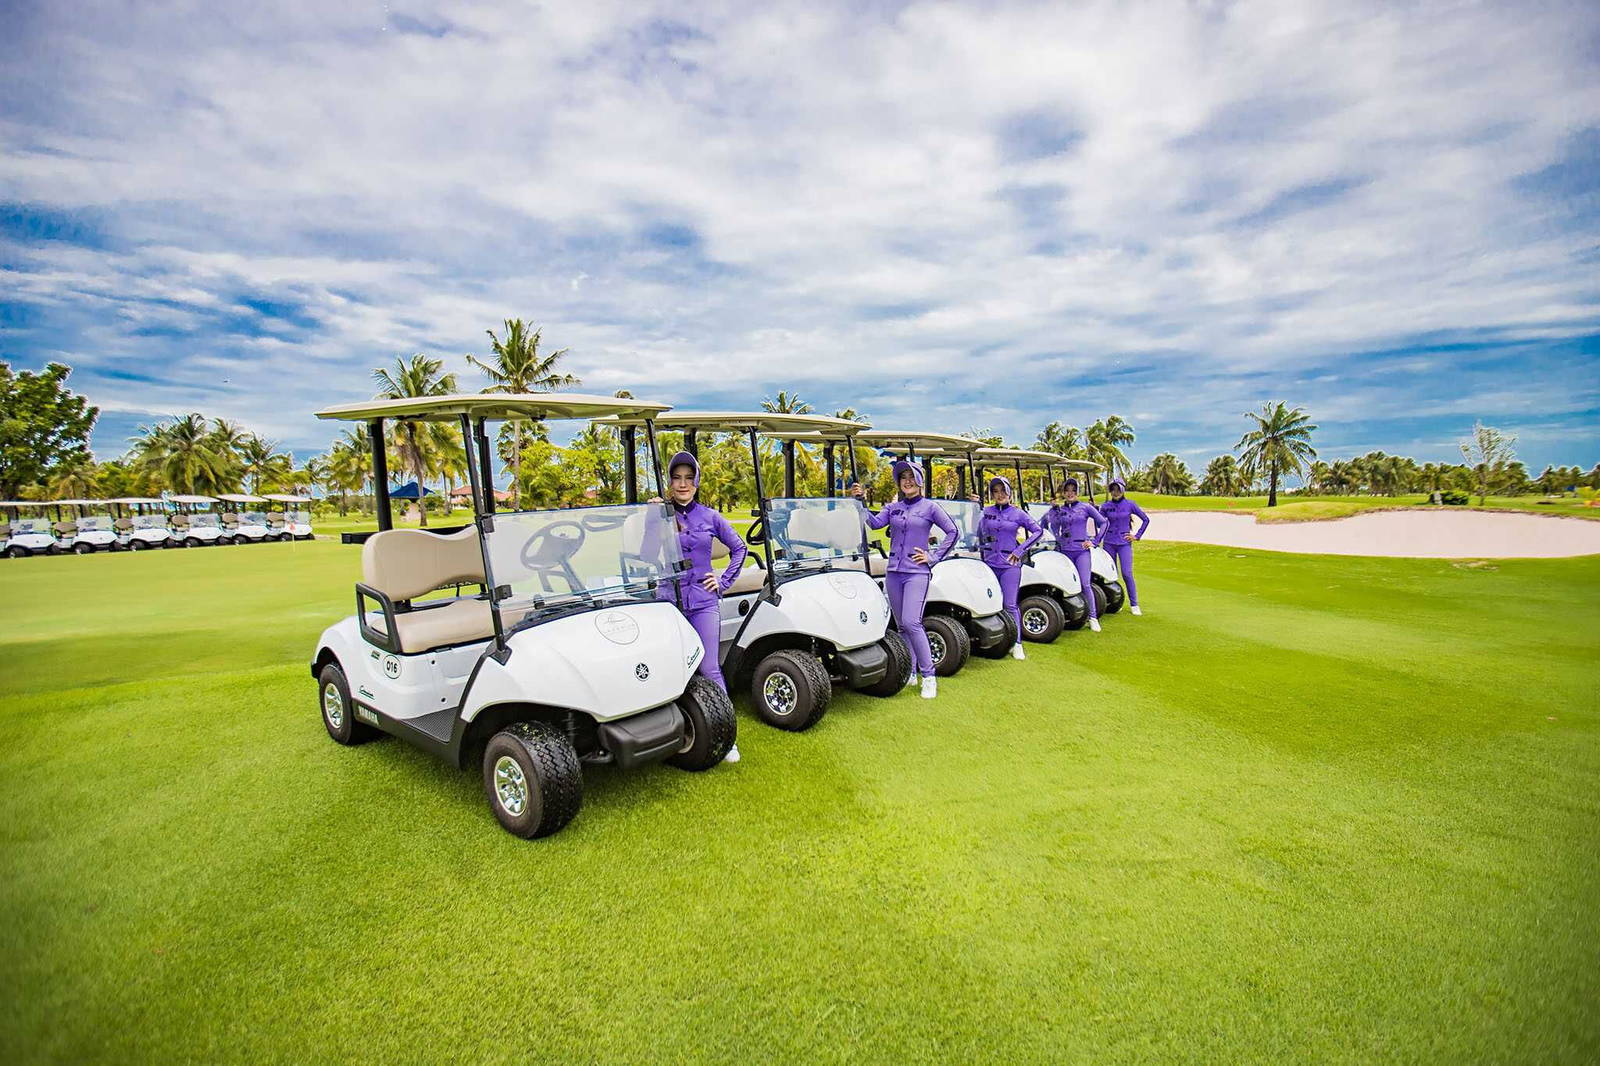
<point x="936" y="647"/>
<point x="1033" y="621"/>
<point x="333" y="706"/>
<point x="510" y="786"/>
<point x="777" y="691"/>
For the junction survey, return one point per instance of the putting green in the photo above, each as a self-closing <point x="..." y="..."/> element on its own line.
<point x="1306" y="809"/>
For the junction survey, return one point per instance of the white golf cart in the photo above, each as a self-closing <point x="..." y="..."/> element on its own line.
<point x="30" y="536"/>
<point x="1108" y="592"/>
<point x="802" y="615"/>
<point x="95" y="531"/>
<point x="571" y="651"/>
<point x="146" y="527"/>
<point x="1050" y="597"/>
<point x="194" y="528"/>
<point x="295" y="523"/>
<point x="964" y="611"/>
<point x="249" y="521"/>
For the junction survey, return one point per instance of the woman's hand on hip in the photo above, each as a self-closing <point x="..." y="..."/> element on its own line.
<point x="709" y="583"/>
<point x="919" y="556"/>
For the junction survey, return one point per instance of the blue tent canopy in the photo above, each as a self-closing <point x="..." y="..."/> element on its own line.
<point x="409" y="491"/>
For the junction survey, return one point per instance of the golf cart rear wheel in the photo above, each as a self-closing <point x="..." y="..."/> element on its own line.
<point x="899" y="672"/>
<point x="1098" y="591"/>
<point x="949" y="643"/>
<point x="338" y="712"/>
<point x="1003" y="648"/>
<point x="532" y="779"/>
<point x="1115" y="596"/>
<point x="137" y="545"/>
<point x="83" y="549"/>
<point x="1043" y="619"/>
<point x="17" y="551"/>
<point x="710" y="723"/>
<point x="790" y="690"/>
<point x="285" y="536"/>
<point x="192" y="542"/>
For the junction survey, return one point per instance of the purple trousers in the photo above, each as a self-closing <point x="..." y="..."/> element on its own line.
<point x="707" y="621"/>
<point x="1010" y="578"/>
<point x="907" y="593"/>
<point x="1123" y="554"/>
<point x="1080" y="559"/>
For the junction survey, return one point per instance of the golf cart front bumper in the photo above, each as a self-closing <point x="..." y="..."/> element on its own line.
<point x="644" y="738"/>
<point x="861" y="667"/>
<point x="1076" y="606"/>
<point x="988" y="631"/>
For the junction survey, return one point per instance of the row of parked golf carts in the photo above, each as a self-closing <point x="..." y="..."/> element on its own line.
<point x="137" y="523"/>
<point x="534" y="642"/>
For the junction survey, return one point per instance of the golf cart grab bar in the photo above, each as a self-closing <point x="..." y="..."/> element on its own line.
<point x="389" y="639"/>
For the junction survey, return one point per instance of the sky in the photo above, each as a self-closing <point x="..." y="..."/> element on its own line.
<point x="947" y="216"/>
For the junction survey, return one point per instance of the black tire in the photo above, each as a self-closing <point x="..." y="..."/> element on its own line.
<point x="338" y="713"/>
<point x="948" y="639"/>
<point x="1003" y="648"/>
<point x="1115" y="597"/>
<point x="83" y="549"/>
<point x="137" y="545"/>
<point x="1100" y="599"/>
<point x="192" y="542"/>
<point x="285" y="536"/>
<point x="799" y="690"/>
<point x="708" y="712"/>
<point x="551" y="782"/>
<point x="1043" y="618"/>
<point x="899" y="666"/>
<point x="17" y="551"/>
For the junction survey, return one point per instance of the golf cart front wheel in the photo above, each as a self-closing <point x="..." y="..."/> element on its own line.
<point x="285" y="536"/>
<point x="899" y="672"/>
<point x="17" y="551"/>
<point x="790" y="690"/>
<point x="1100" y="599"/>
<point x="949" y="643"/>
<point x="710" y="725"/>
<point x="192" y="542"/>
<point x="83" y="549"/>
<point x="1042" y="619"/>
<point x="137" y="545"/>
<point x="338" y="712"/>
<point x="532" y="779"/>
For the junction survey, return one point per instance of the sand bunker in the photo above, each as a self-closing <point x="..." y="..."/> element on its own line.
<point x="1402" y="534"/>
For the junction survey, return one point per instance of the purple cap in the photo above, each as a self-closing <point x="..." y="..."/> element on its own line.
<point x="999" y="481"/>
<point x="901" y="466"/>
<point x="1117" y="483"/>
<point x="684" y="459"/>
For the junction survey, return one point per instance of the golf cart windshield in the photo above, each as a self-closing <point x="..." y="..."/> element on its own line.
<point x="93" y="523"/>
<point x="965" y="514"/>
<point x="252" y="518"/>
<point x="811" y="533"/>
<point x="29" y="526"/>
<point x="299" y="518"/>
<point x="149" y="521"/>
<point x="582" y="556"/>
<point x="1038" y="511"/>
<point x="203" y="520"/>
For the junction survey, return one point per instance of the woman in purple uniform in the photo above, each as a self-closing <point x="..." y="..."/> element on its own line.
<point x="1117" y="534"/>
<point x="998" y="532"/>
<point x="910" y="520"/>
<point x="697" y="526"/>
<point x="1068" y="521"/>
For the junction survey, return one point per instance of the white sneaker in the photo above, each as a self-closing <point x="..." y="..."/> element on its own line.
<point x="1135" y="609"/>
<point x="1094" y="625"/>
<point x="1017" y="652"/>
<point x="930" y="688"/>
<point x="912" y="680"/>
<point x="733" y="754"/>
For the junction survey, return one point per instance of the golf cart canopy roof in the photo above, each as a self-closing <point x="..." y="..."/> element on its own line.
<point x="81" y="503"/>
<point x="920" y="441"/>
<point x="282" y="497"/>
<point x="1032" y="460"/>
<point x="150" y="499"/>
<point x="236" y="498"/>
<point x="193" y="499"/>
<point x="770" y="422"/>
<point x="496" y="406"/>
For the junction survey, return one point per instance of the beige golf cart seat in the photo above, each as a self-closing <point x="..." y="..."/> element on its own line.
<point x="123" y="525"/>
<point x="406" y="563"/>
<point x="750" y="579"/>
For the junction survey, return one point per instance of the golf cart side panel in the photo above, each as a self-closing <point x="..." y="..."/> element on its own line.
<point x="967" y="584"/>
<point x="607" y="664"/>
<point x="1102" y="566"/>
<point x="1053" y="569"/>
<point x="842" y="608"/>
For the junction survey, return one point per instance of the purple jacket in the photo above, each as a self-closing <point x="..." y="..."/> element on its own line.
<point x="697" y="526"/>
<point x="997" y="533"/>
<point x="910" y="522"/>
<point x="1070" y="524"/>
<point x="1119" y="521"/>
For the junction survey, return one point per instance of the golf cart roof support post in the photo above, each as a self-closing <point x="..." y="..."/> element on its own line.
<point x="655" y="457"/>
<point x="788" y="468"/>
<point x="827" y="450"/>
<point x="961" y="483"/>
<point x="487" y="468"/>
<point x="1022" y="496"/>
<point x="691" y="442"/>
<point x="469" y="431"/>
<point x="380" y="475"/>
<point x="855" y="478"/>
<point x="761" y="507"/>
<point x="927" y="475"/>
<point x="630" y="465"/>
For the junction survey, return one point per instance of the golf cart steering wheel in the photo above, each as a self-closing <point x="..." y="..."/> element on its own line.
<point x="757" y="533"/>
<point x="599" y="523"/>
<point x="545" y="550"/>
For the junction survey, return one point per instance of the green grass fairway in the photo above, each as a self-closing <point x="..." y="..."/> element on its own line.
<point x="1307" y="809"/>
<point x="1299" y="508"/>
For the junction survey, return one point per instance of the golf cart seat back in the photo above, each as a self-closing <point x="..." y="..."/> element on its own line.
<point x="406" y="563"/>
<point x="65" y="529"/>
<point x="123" y="525"/>
<point x="230" y="519"/>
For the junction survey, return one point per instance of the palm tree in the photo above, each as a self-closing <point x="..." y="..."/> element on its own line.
<point x="786" y="403"/>
<point x="1223" y="477"/>
<point x="413" y="444"/>
<point x="1168" y="475"/>
<point x="76" y="479"/>
<point x="1104" y="442"/>
<point x="1280" y="444"/>
<point x="517" y="366"/>
<point x="1057" y="439"/>
<point x="183" y="454"/>
<point x="348" y="465"/>
<point x="262" y="463"/>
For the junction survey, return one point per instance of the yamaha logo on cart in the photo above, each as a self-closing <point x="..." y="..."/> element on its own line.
<point x="989" y="593"/>
<point x="863" y="617"/>
<point x="642" y="672"/>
